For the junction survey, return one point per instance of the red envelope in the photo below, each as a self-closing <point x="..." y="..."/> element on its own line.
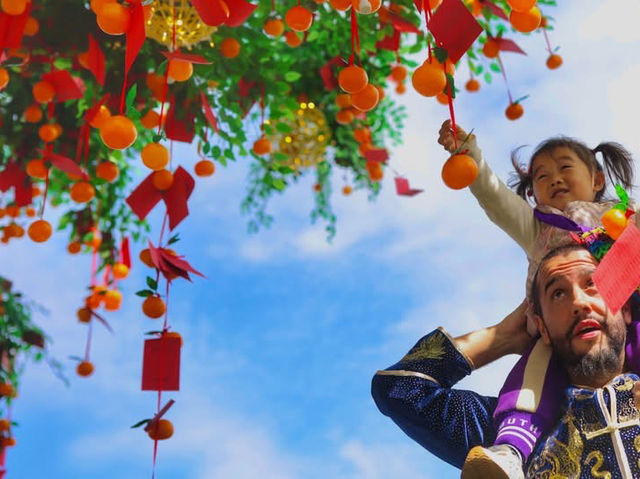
<point x="403" y="189"/>
<point x="508" y="46"/>
<point x="377" y="154"/>
<point x="65" y="164"/>
<point x="454" y="28"/>
<point x="66" y="86"/>
<point x="161" y="364"/>
<point x="12" y="28"/>
<point x="135" y="35"/>
<point x="14" y="176"/>
<point x="183" y="129"/>
<point x="96" y="60"/>
<point x="495" y="9"/>
<point x="618" y="274"/>
<point x="326" y="72"/>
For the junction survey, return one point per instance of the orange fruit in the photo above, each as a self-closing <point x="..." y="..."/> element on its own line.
<point x="43" y="92"/>
<point x="374" y="168"/>
<point x="343" y="100"/>
<point x="39" y="231"/>
<point x="96" y="5"/>
<point x="429" y="79"/>
<point x="554" y="61"/>
<point x="442" y="98"/>
<point x="398" y="73"/>
<point x="112" y="300"/>
<point x="274" y="27"/>
<point x="30" y="211"/>
<point x="204" y="168"/>
<point x="113" y="18"/>
<point x="120" y="271"/>
<point x="614" y="222"/>
<point x="48" y="133"/>
<point x="145" y="257"/>
<point x="8" y="441"/>
<point x="491" y="48"/>
<point x="173" y="334"/>
<point x="342" y="5"/>
<point x="522" y="5"/>
<point x="4" y="78"/>
<point x="83" y="59"/>
<point x="95" y="239"/>
<point x="37" y="169"/>
<point x="180" y="70"/>
<point x="74" y="247"/>
<point x="35" y="191"/>
<point x="13" y="7"/>
<point x="7" y="390"/>
<point x="162" y="429"/>
<point x="525" y="22"/>
<point x="230" y="48"/>
<point x="5" y="425"/>
<point x="100" y="117"/>
<point x="365" y="99"/>
<point x="31" y="27"/>
<point x="156" y="85"/>
<point x="299" y="19"/>
<point x="153" y="306"/>
<point x="150" y="120"/>
<point x="352" y="79"/>
<point x="262" y="146"/>
<point x="12" y="211"/>
<point x="459" y="171"/>
<point x="366" y="6"/>
<point x="400" y="88"/>
<point x="476" y="7"/>
<point x="82" y="192"/>
<point x="84" y="369"/>
<point x="118" y="132"/>
<point x="108" y="171"/>
<point x="514" y="111"/>
<point x="450" y="67"/>
<point x="155" y="156"/>
<point x="33" y="114"/>
<point x="292" y="39"/>
<point x="317" y="187"/>
<point x="344" y="117"/>
<point x="162" y="179"/>
<point x="364" y="147"/>
<point x="347" y="190"/>
<point x="472" y="85"/>
<point x="362" y="135"/>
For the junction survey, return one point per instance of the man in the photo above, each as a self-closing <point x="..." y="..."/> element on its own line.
<point x="598" y="433"/>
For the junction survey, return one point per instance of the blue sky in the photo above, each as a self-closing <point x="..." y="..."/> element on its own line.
<point x="284" y="335"/>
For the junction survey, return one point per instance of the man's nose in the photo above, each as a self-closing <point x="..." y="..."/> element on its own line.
<point x="581" y="302"/>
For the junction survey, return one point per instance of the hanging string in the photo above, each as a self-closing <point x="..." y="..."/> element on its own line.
<point x="44" y="197"/>
<point x="88" y="347"/>
<point x="427" y="19"/>
<point x="87" y="136"/>
<point x="450" y="97"/>
<point x="504" y="75"/>
<point x="355" y="38"/>
<point x="93" y="266"/>
<point x="546" y="39"/>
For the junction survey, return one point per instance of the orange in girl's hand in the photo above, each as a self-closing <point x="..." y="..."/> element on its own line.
<point x="4" y="78"/>
<point x="82" y="192"/>
<point x="120" y="271"/>
<point x="107" y="171"/>
<point x="293" y="39"/>
<point x="33" y="114"/>
<point x="163" y="429"/>
<point x="341" y="5"/>
<point x="299" y="19"/>
<point x="204" y="168"/>
<point x="262" y="146"/>
<point x="43" y="92"/>
<point x="39" y="231"/>
<point x="162" y="179"/>
<point x="554" y="61"/>
<point x="525" y="22"/>
<point x="180" y="70"/>
<point x="230" y="48"/>
<point x="13" y="7"/>
<point x="84" y="369"/>
<point x="274" y="27"/>
<point x="118" y="132"/>
<point x="366" y="6"/>
<point x="153" y="306"/>
<point x="100" y="117"/>
<point x="365" y="99"/>
<point x="114" y="18"/>
<point x="352" y="79"/>
<point x="472" y="85"/>
<point x="514" y="111"/>
<point x="429" y="79"/>
<point x="614" y="222"/>
<point x="155" y="156"/>
<point x="459" y="171"/>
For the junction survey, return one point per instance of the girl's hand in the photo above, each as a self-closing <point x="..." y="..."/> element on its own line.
<point x="445" y="137"/>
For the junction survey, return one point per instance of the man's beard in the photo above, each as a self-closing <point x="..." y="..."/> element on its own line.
<point x="603" y="362"/>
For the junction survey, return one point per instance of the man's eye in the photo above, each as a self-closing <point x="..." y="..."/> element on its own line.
<point x="566" y="166"/>
<point x="590" y="283"/>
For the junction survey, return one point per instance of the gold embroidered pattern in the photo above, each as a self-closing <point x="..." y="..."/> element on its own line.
<point x="636" y="444"/>
<point x="595" y="470"/>
<point x="558" y="460"/>
<point x="431" y="347"/>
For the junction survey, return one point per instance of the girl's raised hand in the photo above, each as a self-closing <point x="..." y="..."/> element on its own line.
<point x="445" y="137"/>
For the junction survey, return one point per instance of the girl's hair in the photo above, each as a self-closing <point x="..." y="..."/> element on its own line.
<point x="618" y="163"/>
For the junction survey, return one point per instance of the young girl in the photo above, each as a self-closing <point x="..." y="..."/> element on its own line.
<point x="564" y="180"/>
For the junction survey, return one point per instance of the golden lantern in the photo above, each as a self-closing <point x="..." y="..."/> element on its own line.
<point x="307" y="141"/>
<point x="190" y="29"/>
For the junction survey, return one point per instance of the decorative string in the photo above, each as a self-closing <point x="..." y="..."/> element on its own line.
<point x="88" y="347"/>
<point x="355" y="38"/>
<point x="504" y="75"/>
<point x="44" y="197"/>
<point x="450" y="98"/>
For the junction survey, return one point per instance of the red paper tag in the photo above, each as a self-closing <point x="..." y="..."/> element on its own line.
<point x="390" y="42"/>
<point x="377" y="154"/>
<point x="179" y="129"/>
<point x="403" y="189"/>
<point x="65" y="164"/>
<point x="96" y="60"/>
<point x="506" y="45"/>
<point x="208" y="113"/>
<point x="454" y="28"/>
<point x="125" y="253"/>
<point x="135" y="35"/>
<point x="66" y="86"/>
<point x="187" y="57"/>
<point x="618" y="274"/>
<point x="495" y="9"/>
<point x="161" y="364"/>
<point x="144" y="197"/>
<point x="176" y="197"/>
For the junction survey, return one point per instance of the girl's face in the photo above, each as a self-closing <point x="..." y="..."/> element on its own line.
<point x="560" y="176"/>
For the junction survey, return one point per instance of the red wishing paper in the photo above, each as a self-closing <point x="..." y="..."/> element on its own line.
<point x="14" y="176"/>
<point x="135" y="35"/>
<point x="506" y="45"/>
<point x="454" y="28"/>
<point x="66" y="86"/>
<point x="618" y="274"/>
<point x="161" y="364"/>
<point x="208" y="112"/>
<point x="403" y="188"/>
<point x="377" y="154"/>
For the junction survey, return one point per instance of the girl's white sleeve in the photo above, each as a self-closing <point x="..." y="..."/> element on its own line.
<point x="503" y="206"/>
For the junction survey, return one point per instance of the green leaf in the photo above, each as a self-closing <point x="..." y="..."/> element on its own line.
<point x="143" y="293"/>
<point x="487" y="77"/>
<point x="62" y="63"/>
<point x="441" y="54"/>
<point x="495" y="67"/>
<point x="152" y="283"/>
<point x="131" y="97"/>
<point x="278" y="184"/>
<point x="622" y="194"/>
<point x="141" y="423"/>
<point x="279" y="156"/>
<point x="216" y="152"/>
<point x="284" y="127"/>
<point x="174" y="239"/>
<point x="292" y="76"/>
<point x="229" y="154"/>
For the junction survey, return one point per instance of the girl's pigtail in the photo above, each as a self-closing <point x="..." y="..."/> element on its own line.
<point x="618" y="163"/>
<point x="520" y="179"/>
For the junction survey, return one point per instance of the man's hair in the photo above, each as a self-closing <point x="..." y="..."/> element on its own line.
<point x="534" y="293"/>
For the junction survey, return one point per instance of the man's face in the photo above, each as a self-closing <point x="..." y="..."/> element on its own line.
<point x="575" y="319"/>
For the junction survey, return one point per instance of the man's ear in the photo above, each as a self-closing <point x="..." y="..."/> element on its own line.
<point x="598" y="181"/>
<point x="626" y="313"/>
<point x="542" y="328"/>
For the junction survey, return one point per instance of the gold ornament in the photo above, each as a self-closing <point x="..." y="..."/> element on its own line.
<point x="190" y="29"/>
<point x="307" y="141"/>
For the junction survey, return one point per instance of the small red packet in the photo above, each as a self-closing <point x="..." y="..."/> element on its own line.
<point x="454" y="28"/>
<point x="161" y="364"/>
<point x="403" y="188"/>
<point x="506" y="45"/>
<point x="377" y="154"/>
<point x="66" y="86"/>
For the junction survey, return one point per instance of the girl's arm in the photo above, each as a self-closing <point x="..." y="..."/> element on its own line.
<point x="503" y="206"/>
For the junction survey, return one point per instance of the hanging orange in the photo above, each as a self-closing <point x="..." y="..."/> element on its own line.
<point x="347" y="190"/>
<point x="614" y="222"/>
<point x="43" y="92"/>
<point x="380" y="92"/>
<point x="366" y="6"/>
<point x="84" y="369"/>
<point x="112" y="300"/>
<point x="156" y="85"/>
<point x="33" y="114"/>
<point x="30" y="211"/>
<point x="299" y="19"/>
<point x="118" y="132"/>
<point x="341" y="5"/>
<point x="108" y="171"/>
<point x="274" y="27"/>
<point x="362" y="135"/>
<point x="153" y="306"/>
<point x="180" y="70"/>
<point x="450" y="67"/>
<point x="459" y="171"/>
<point x="13" y="7"/>
<point x="163" y="429"/>
<point x="366" y="99"/>
<point x="293" y="39"/>
<point x="39" y="231"/>
<point x="162" y="179"/>
<point x="343" y="100"/>
<point x="120" y="271"/>
<point x="145" y="257"/>
<point x="554" y="61"/>
<point x="155" y="156"/>
<point x="82" y="192"/>
<point x="442" y="98"/>
<point x="31" y="27"/>
<point x="364" y="147"/>
<point x="74" y="248"/>
<point x="401" y="88"/>
<point x="230" y="48"/>
<point x="472" y="85"/>
<point x="114" y="18"/>
<point x="96" y="5"/>
<point x="514" y="111"/>
<point x="37" y="169"/>
<point x="398" y="73"/>
<point x="429" y="79"/>
<point x="352" y="79"/>
<point x="4" y="78"/>
<point x="204" y="168"/>
<point x="344" y="117"/>
<point x="262" y="146"/>
<point x="150" y="120"/>
<point x="374" y="168"/>
<point x="522" y="5"/>
<point x="49" y="132"/>
<point x="491" y="48"/>
<point x="525" y="22"/>
<point x="99" y="118"/>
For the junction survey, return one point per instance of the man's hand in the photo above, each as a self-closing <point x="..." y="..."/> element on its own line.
<point x="512" y="330"/>
<point x="445" y="137"/>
